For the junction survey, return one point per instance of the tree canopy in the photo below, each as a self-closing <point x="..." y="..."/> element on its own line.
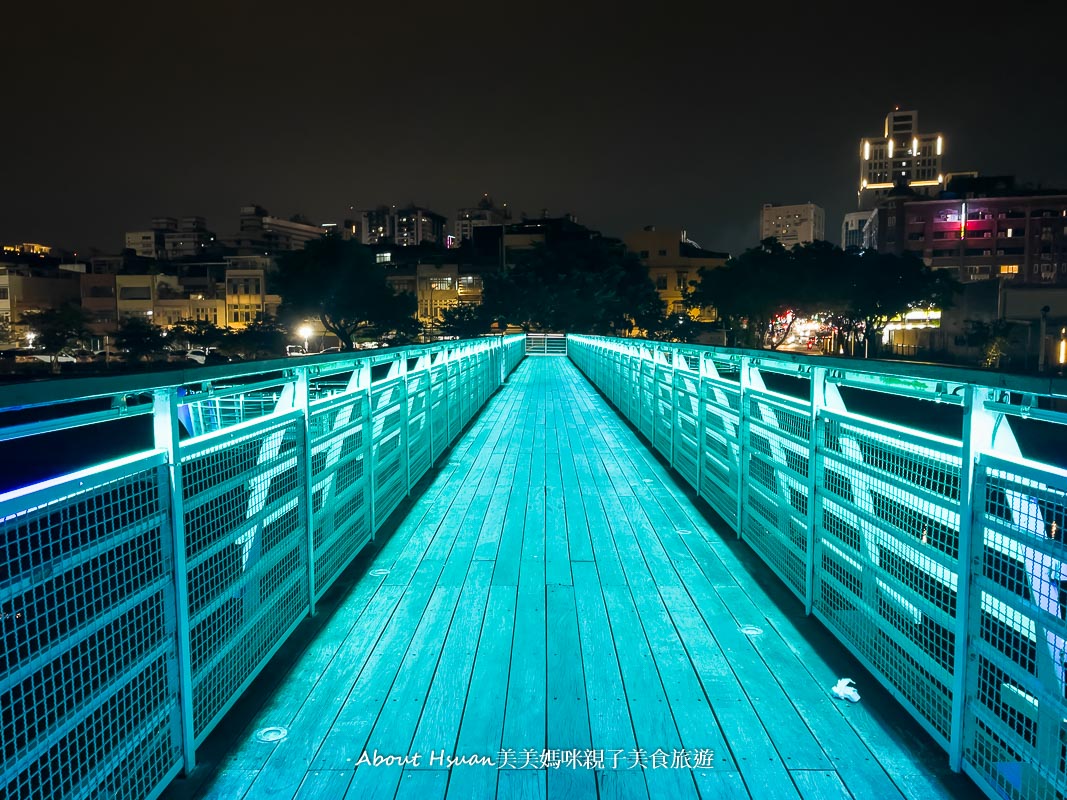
<point x="764" y="289"/>
<point x="577" y="285"/>
<point x="339" y="282"/>
<point x="139" y="338"/>
<point x="57" y="329"/>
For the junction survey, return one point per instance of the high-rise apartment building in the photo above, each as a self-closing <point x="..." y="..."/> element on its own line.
<point x="792" y="225"/>
<point x="404" y="227"/>
<point x="415" y="225"/>
<point x="485" y="213"/>
<point x="901" y="156"/>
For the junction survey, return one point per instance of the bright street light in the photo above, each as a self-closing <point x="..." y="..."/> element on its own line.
<point x="30" y="336"/>
<point x="305" y="331"/>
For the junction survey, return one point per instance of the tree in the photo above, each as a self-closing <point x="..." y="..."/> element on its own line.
<point x="139" y="338"/>
<point x="465" y="320"/>
<point x="264" y="338"/>
<point x="878" y="287"/>
<point x="57" y="329"/>
<point x="338" y="281"/>
<point x="198" y="333"/>
<point x="580" y="285"/>
<point x="761" y="291"/>
<point x="767" y="287"/>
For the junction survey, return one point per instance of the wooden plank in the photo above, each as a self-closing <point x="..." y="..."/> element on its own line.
<point x="525" y="715"/>
<point x="438" y="726"/>
<point x="568" y="715"/>
<point x="557" y="544"/>
<point x="228" y="784"/>
<point x="395" y="727"/>
<point x="324" y="783"/>
<point x="366" y="606"/>
<point x="614" y="784"/>
<point x="835" y="723"/>
<point x="654" y="726"/>
<point x="522" y="784"/>
<point x="493" y="522"/>
<point x="610" y="726"/>
<point x="289" y="758"/>
<point x="603" y="545"/>
<point x="464" y="541"/>
<point x="375" y="783"/>
<point x="344" y="743"/>
<point x="721" y="783"/>
<point x="422" y="784"/>
<point x="533" y="539"/>
<point x="509" y="551"/>
<point x="483" y="715"/>
<point x="820" y="784"/>
<point x="581" y="549"/>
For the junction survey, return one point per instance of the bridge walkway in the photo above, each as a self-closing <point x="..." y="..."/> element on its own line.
<point x="555" y="602"/>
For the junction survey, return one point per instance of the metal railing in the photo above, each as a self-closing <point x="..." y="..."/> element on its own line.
<point x="916" y="510"/>
<point x="140" y="597"/>
<point x="546" y="344"/>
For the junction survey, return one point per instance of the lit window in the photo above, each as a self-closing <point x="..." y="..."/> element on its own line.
<point x="1009" y="269"/>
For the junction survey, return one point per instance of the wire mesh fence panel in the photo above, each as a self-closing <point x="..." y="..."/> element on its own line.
<point x="1014" y="729"/>
<point x="340" y="497"/>
<point x="663" y="408"/>
<point x="88" y="691"/>
<point x="936" y="555"/>
<point x="387" y="418"/>
<point x="685" y="448"/>
<point x="887" y="556"/>
<point x="777" y="436"/>
<point x="418" y="422"/>
<point x="720" y="448"/>
<point x="245" y="524"/>
<point x="113" y="639"/>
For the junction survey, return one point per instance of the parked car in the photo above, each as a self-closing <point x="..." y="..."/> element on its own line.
<point x="199" y="356"/>
<point x="295" y="350"/>
<point x="329" y="350"/>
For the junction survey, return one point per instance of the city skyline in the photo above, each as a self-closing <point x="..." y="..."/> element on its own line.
<point x="624" y="122"/>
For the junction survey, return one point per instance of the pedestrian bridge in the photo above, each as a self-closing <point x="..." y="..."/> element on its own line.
<point x="516" y="593"/>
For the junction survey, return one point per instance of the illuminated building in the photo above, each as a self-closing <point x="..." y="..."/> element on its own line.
<point x="673" y="261"/>
<point x="981" y="228"/>
<point x="792" y="225"/>
<point x="902" y="155"/>
<point x="404" y="227"/>
<point x="852" y="229"/>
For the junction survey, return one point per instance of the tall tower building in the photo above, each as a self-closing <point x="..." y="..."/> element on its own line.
<point x="901" y="156"/>
<point x="790" y="225"/>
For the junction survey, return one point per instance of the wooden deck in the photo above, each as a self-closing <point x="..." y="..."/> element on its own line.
<point x="555" y="594"/>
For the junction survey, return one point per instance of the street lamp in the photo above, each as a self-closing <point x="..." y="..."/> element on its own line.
<point x="305" y="332"/>
<point x="30" y="336"/>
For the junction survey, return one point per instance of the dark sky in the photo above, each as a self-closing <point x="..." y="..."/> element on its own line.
<point x="625" y="116"/>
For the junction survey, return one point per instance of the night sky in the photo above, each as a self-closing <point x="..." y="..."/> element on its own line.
<point x="622" y="116"/>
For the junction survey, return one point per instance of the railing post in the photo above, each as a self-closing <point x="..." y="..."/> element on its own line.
<point x="364" y="382"/>
<point x="742" y="435"/>
<point x="166" y="436"/>
<point x="302" y="401"/>
<point x="817" y="387"/>
<point x="405" y="432"/>
<point x="977" y="435"/>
